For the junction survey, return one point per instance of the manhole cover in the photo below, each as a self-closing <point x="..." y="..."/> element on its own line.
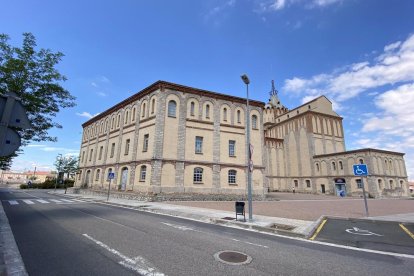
<point x="232" y="257"/>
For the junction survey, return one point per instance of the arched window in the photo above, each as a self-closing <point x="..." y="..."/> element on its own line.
<point x="126" y="118"/>
<point x="118" y="121"/>
<point x="152" y="106"/>
<point x="333" y="166"/>
<point x="232" y="176"/>
<point x="401" y="183"/>
<point x="113" y="123"/>
<point x="238" y="117"/>
<point x="98" y="172"/>
<point x="143" y="110"/>
<point x="390" y="165"/>
<point x="172" y="108"/>
<point x="317" y="167"/>
<point x="341" y="166"/>
<point x="143" y="173"/>
<point x="192" y="108"/>
<point x="254" y="122"/>
<point x="207" y="111"/>
<point x="225" y="114"/>
<point x="379" y="184"/>
<point x="361" y="161"/>
<point x="391" y="184"/>
<point x="198" y="175"/>
<point x="133" y="113"/>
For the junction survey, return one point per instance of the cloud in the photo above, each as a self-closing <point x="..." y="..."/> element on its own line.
<point x="395" y="65"/>
<point x="86" y="114"/>
<point x="214" y="14"/>
<point x="278" y="5"/>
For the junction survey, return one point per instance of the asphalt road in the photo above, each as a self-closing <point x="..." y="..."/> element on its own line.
<point x="75" y="238"/>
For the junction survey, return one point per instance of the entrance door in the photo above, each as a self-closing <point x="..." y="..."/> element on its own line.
<point x="340" y="189"/>
<point x="323" y="188"/>
<point x="124" y="178"/>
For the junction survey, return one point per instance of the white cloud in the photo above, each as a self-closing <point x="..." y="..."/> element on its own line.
<point x="277" y="5"/>
<point x="393" y="66"/>
<point x="86" y="114"/>
<point x="214" y="13"/>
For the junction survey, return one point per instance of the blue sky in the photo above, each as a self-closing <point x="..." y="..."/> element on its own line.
<point x="360" y="54"/>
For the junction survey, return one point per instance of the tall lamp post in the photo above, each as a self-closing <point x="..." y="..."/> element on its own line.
<point x="246" y="80"/>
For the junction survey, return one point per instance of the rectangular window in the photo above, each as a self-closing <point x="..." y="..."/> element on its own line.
<point x="145" y="145"/>
<point x="359" y="183"/>
<point x="143" y="173"/>
<point x="90" y="156"/>
<point x="308" y="184"/>
<point x="232" y="147"/>
<point x="199" y="144"/>
<point x="296" y="183"/>
<point x="112" y="150"/>
<point x="127" y="146"/>
<point x="100" y="152"/>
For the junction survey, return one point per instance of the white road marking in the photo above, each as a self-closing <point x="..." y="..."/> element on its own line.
<point x="13" y="202"/>
<point x="28" y="201"/>
<point x="180" y="227"/>
<point x="251" y="243"/>
<point x="138" y="264"/>
<point x="42" y="201"/>
<point x="55" y="200"/>
<point x="66" y="200"/>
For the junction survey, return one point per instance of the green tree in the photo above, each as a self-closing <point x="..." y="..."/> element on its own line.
<point x="68" y="165"/>
<point x="33" y="76"/>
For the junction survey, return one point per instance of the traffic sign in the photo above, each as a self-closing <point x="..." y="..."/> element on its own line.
<point x="11" y="142"/>
<point x="111" y="175"/>
<point x="360" y="169"/>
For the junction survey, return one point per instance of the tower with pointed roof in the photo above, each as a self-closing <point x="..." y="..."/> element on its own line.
<point x="273" y="108"/>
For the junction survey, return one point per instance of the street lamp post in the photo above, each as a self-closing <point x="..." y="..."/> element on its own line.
<point x="246" y="80"/>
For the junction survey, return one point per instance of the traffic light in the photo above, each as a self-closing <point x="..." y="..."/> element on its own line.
<point x="13" y="116"/>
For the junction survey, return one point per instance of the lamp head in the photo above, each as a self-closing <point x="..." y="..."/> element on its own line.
<point x="245" y="79"/>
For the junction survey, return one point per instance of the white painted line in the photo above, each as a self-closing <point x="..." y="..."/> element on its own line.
<point x="42" y="201"/>
<point x="28" y="201"/>
<point x="78" y="200"/>
<point x="180" y="227"/>
<point x="138" y="264"/>
<point x="55" y="200"/>
<point x="13" y="202"/>
<point x="255" y="244"/>
<point x="66" y="200"/>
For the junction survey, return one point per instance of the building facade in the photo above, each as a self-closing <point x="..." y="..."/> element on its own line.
<point x="170" y="138"/>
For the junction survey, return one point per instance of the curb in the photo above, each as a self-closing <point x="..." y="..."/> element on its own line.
<point x="9" y="253"/>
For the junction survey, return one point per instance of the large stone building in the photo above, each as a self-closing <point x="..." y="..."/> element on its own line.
<point x="170" y="138"/>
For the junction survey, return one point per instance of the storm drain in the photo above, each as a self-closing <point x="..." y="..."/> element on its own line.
<point x="232" y="257"/>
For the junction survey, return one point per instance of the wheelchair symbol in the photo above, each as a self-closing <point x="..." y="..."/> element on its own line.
<point x="358" y="231"/>
<point x="359" y="171"/>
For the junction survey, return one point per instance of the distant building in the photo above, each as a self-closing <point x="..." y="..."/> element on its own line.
<point x="173" y="138"/>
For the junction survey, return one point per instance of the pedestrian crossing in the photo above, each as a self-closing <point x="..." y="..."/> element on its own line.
<point x="42" y="201"/>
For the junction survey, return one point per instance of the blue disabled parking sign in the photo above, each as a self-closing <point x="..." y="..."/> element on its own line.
<point x="360" y="170"/>
<point x="111" y="175"/>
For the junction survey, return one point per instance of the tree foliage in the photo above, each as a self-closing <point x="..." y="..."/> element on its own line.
<point x="67" y="164"/>
<point x="33" y="76"/>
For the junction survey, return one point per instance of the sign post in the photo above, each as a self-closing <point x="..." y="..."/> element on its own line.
<point x="362" y="170"/>
<point x="111" y="176"/>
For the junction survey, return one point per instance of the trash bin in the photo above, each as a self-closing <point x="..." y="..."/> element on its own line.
<point x="240" y="209"/>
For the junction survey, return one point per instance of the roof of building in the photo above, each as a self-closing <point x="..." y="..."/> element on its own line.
<point x="169" y="85"/>
<point x="359" y="151"/>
